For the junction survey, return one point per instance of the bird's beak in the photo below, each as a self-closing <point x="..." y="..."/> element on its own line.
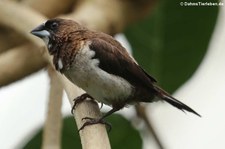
<point x="40" y="31"/>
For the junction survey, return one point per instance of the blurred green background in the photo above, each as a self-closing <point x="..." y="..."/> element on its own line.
<point x="171" y="42"/>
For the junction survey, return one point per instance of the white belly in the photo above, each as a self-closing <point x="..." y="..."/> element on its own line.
<point x="102" y="86"/>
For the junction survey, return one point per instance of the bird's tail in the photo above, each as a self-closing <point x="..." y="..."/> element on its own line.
<point x="171" y="100"/>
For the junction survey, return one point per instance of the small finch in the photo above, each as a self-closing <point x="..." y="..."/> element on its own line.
<point x="101" y="66"/>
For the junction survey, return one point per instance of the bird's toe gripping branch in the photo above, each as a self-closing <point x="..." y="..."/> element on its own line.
<point x="92" y="121"/>
<point x="80" y="99"/>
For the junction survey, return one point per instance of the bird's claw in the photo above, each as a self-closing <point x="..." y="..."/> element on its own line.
<point x="80" y="99"/>
<point x="92" y="121"/>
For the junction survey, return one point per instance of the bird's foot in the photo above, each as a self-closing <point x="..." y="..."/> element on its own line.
<point x="80" y="99"/>
<point x="92" y="121"/>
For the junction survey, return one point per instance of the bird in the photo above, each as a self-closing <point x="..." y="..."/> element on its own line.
<point x="101" y="66"/>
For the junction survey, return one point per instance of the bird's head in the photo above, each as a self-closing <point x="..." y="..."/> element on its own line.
<point x="55" y="30"/>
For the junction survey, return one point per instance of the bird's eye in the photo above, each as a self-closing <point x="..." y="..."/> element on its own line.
<point x="54" y="25"/>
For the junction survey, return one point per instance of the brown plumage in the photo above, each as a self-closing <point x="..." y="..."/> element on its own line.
<point x="101" y="66"/>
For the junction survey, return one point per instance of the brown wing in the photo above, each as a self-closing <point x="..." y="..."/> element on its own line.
<point x="114" y="59"/>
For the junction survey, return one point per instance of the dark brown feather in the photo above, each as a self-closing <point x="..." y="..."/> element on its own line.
<point x="114" y="59"/>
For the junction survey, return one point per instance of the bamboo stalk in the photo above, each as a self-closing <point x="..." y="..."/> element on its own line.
<point x="19" y="62"/>
<point x="52" y="128"/>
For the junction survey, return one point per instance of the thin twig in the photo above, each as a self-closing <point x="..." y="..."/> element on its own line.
<point x="141" y="112"/>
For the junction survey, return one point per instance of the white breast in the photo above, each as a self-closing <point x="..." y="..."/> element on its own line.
<point x="101" y="85"/>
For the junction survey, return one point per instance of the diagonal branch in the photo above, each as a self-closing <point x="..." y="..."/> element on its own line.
<point x="13" y="61"/>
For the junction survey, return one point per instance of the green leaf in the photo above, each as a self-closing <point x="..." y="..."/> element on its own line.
<point x="172" y="41"/>
<point x="120" y="136"/>
<point x="123" y="135"/>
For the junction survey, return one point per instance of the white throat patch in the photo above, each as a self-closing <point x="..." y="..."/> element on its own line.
<point x="46" y="36"/>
